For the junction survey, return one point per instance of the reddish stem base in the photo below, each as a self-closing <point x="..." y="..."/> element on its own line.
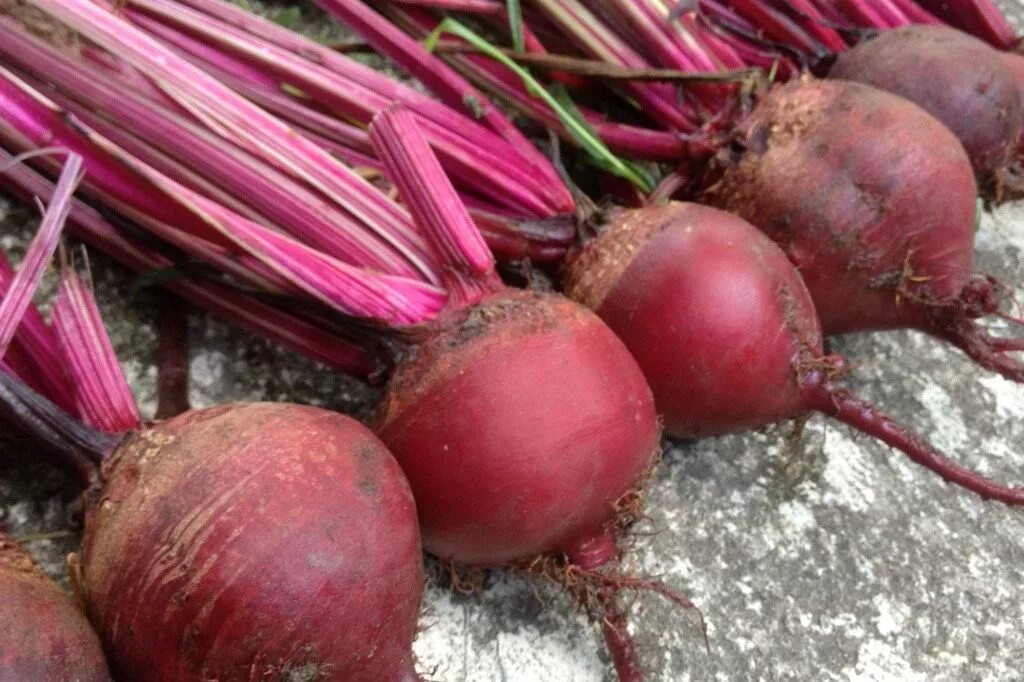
<point x="831" y="399"/>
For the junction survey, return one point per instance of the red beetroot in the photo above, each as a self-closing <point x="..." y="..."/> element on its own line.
<point x="523" y="423"/>
<point x="505" y="459"/>
<point x="43" y="634"/>
<point x="955" y="77"/>
<point x="251" y="541"/>
<point x="725" y="330"/>
<point x="243" y="541"/>
<point x="873" y="200"/>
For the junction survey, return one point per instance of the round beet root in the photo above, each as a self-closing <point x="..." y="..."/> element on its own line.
<point x="955" y="77"/>
<point x="716" y="317"/>
<point x="873" y="200"/>
<point x="43" y="634"/>
<point x="256" y="541"/>
<point x="725" y="330"/>
<point x="504" y="459"/>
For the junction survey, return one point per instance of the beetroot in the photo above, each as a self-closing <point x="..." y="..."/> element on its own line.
<point x="953" y="76"/>
<point x="725" y="330"/>
<point x="873" y="200"/>
<point x="243" y="541"/>
<point x="506" y="461"/>
<point x="43" y="634"/>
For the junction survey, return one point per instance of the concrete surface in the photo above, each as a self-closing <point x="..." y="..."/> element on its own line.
<point x="831" y="559"/>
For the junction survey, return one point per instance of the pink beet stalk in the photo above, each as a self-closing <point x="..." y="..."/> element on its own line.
<point x="87" y="224"/>
<point x="334" y="283"/>
<point x="981" y="18"/>
<point x="102" y="394"/>
<point x="25" y="282"/>
<point x="337" y="81"/>
<point x="442" y="80"/>
<point x="476" y="163"/>
<point x="249" y="126"/>
<point x="634" y="141"/>
<point x="34" y="348"/>
<point x="469" y="272"/>
<point x="591" y="35"/>
<point x="275" y="195"/>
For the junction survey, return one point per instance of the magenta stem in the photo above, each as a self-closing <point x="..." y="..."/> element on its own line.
<point x="982" y="18"/>
<point x="172" y="358"/>
<point x="102" y="393"/>
<point x="276" y="197"/>
<point x="40" y="252"/>
<point x="34" y="351"/>
<point x="468" y="264"/>
<point x="87" y="224"/>
<point x="442" y="81"/>
<point x="233" y="117"/>
<point x="509" y="159"/>
<point x="645" y="143"/>
<point x="837" y="402"/>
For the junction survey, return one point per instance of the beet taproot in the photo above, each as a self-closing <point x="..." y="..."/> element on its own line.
<point x="505" y="456"/>
<point x="873" y="200"/>
<point x="43" y="633"/>
<point x="726" y="332"/>
<point x="953" y="76"/>
<point x="245" y="541"/>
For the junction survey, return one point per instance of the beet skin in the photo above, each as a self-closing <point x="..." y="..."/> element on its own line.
<point x="712" y="311"/>
<point x="256" y="541"/>
<point x="953" y="76"/>
<point x="519" y="423"/>
<point x="43" y="634"/>
<point x="874" y="202"/>
<point x="870" y="197"/>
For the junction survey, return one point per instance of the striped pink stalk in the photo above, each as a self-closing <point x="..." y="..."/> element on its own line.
<point x="40" y="252"/>
<point x="583" y="27"/>
<point x="483" y="7"/>
<point x="102" y="393"/>
<point x="275" y="197"/>
<point x="28" y="120"/>
<point x="503" y="174"/>
<point x="87" y="224"/>
<point x="229" y="114"/>
<point x="467" y="263"/>
<point x="815" y="23"/>
<point x="778" y="26"/>
<point x="447" y="85"/>
<point x="350" y="290"/>
<point x="633" y="141"/>
<point x="981" y="18"/>
<point x="917" y="14"/>
<point x="34" y="350"/>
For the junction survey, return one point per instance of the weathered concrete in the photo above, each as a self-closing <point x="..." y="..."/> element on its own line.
<point x="832" y="559"/>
